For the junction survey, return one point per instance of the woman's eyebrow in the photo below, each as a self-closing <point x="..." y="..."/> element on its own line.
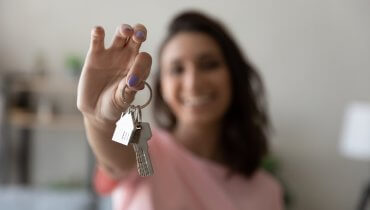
<point x="175" y="62"/>
<point x="206" y="55"/>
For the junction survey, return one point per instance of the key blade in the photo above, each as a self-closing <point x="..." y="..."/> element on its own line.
<point x="144" y="165"/>
<point x="140" y="145"/>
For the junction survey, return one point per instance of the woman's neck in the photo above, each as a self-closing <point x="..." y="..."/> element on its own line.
<point x="202" y="140"/>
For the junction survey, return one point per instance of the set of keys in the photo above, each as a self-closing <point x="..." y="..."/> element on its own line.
<point x="131" y="130"/>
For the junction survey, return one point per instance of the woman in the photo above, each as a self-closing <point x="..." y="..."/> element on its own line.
<point x="209" y="107"/>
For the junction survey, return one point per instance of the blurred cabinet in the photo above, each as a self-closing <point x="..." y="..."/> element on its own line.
<point x="44" y="142"/>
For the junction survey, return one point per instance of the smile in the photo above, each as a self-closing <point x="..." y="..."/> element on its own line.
<point x="197" y="100"/>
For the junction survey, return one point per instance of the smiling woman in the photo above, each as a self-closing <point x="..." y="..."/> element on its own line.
<point x="209" y="105"/>
<point x="201" y="66"/>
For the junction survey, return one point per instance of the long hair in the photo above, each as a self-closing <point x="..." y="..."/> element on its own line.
<point x="245" y="125"/>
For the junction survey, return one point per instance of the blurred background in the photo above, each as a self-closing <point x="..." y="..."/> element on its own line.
<point x="314" y="57"/>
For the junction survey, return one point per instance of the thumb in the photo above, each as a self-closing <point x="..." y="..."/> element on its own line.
<point x="123" y="95"/>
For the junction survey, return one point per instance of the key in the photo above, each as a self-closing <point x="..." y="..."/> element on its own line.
<point x="125" y="128"/>
<point x="140" y="144"/>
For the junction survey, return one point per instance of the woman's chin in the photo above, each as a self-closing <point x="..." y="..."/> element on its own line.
<point x="197" y="109"/>
<point x="200" y="117"/>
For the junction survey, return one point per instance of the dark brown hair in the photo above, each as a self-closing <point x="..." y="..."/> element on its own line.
<point x="245" y="125"/>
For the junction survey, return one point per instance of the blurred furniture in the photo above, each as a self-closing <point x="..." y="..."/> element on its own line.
<point x="355" y="142"/>
<point x="3" y="130"/>
<point x="33" y="103"/>
<point x="37" y="115"/>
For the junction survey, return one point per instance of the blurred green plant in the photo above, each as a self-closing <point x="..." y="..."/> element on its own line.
<point x="74" y="64"/>
<point x="272" y="165"/>
<point x="67" y="185"/>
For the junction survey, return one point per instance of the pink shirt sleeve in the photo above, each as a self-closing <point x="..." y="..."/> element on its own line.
<point x="103" y="183"/>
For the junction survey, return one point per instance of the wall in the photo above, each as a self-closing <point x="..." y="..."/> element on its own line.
<point x="314" y="56"/>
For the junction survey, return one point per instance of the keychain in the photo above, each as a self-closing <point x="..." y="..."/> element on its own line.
<point x="131" y="130"/>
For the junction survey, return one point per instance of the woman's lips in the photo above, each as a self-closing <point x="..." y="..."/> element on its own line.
<point x="197" y="101"/>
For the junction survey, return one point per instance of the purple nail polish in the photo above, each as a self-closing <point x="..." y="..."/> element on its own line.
<point x="140" y="34"/>
<point x="133" y="81"/>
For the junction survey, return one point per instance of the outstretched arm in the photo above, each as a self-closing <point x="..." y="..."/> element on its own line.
<point x="105" y="73"/>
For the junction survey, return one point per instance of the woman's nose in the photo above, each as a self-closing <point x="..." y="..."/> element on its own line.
<point x="192" y="80"/>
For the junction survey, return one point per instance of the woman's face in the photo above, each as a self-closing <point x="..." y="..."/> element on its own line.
<point x="195" y="79"/>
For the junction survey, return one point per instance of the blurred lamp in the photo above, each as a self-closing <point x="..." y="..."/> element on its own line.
<point x="356" y="132"/>
<point x="355" y="142"/>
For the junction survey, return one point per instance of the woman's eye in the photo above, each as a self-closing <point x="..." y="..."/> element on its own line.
<point x="175" y="70"/>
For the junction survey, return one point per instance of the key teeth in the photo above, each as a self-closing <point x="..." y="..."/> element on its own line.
<point x="143" y="161"/>
<point x="143" y="168"/>
<point x="144" y="173"/>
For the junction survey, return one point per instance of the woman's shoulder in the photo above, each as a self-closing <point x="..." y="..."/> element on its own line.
<point x="261" y="189"/>
<point x="266" y="180"/>
<point x="259" y="181"/>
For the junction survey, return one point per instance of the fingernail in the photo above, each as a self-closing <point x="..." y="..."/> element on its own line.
<point x="140" y="34"/>
<point x="126" y="28"/>
<point x="133" y="81"/>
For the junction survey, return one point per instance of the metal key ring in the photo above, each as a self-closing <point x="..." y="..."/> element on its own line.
<point x="150" y="95"/>
<point x="138" y="115"/>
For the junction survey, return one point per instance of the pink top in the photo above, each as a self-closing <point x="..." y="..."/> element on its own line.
<point x="182" y="180"/>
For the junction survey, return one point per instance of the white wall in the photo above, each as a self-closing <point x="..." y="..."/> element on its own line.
<point x="314" y="56"/>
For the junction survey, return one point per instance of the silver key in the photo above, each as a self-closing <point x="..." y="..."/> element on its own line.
<point x="125" y="128"/>
<point x="140" y="144"/>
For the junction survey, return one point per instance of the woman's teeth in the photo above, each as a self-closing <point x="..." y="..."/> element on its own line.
<point x="196" y="101"/>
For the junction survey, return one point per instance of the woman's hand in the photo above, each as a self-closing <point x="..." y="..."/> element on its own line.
<point x="107" y="71"/>
<point x="100" y="89"/>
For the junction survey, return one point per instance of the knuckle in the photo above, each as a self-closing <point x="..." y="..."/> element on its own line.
<point x="81" y="107"/>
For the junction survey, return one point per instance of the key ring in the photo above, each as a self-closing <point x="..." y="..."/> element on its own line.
<point x="138" y="116"/>
<point x="144" y="105"/>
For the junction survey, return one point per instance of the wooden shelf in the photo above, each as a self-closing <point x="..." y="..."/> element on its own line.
<point x="63" y="122"/>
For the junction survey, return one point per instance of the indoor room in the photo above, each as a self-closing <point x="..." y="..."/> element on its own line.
<point x="68" y="70"/>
